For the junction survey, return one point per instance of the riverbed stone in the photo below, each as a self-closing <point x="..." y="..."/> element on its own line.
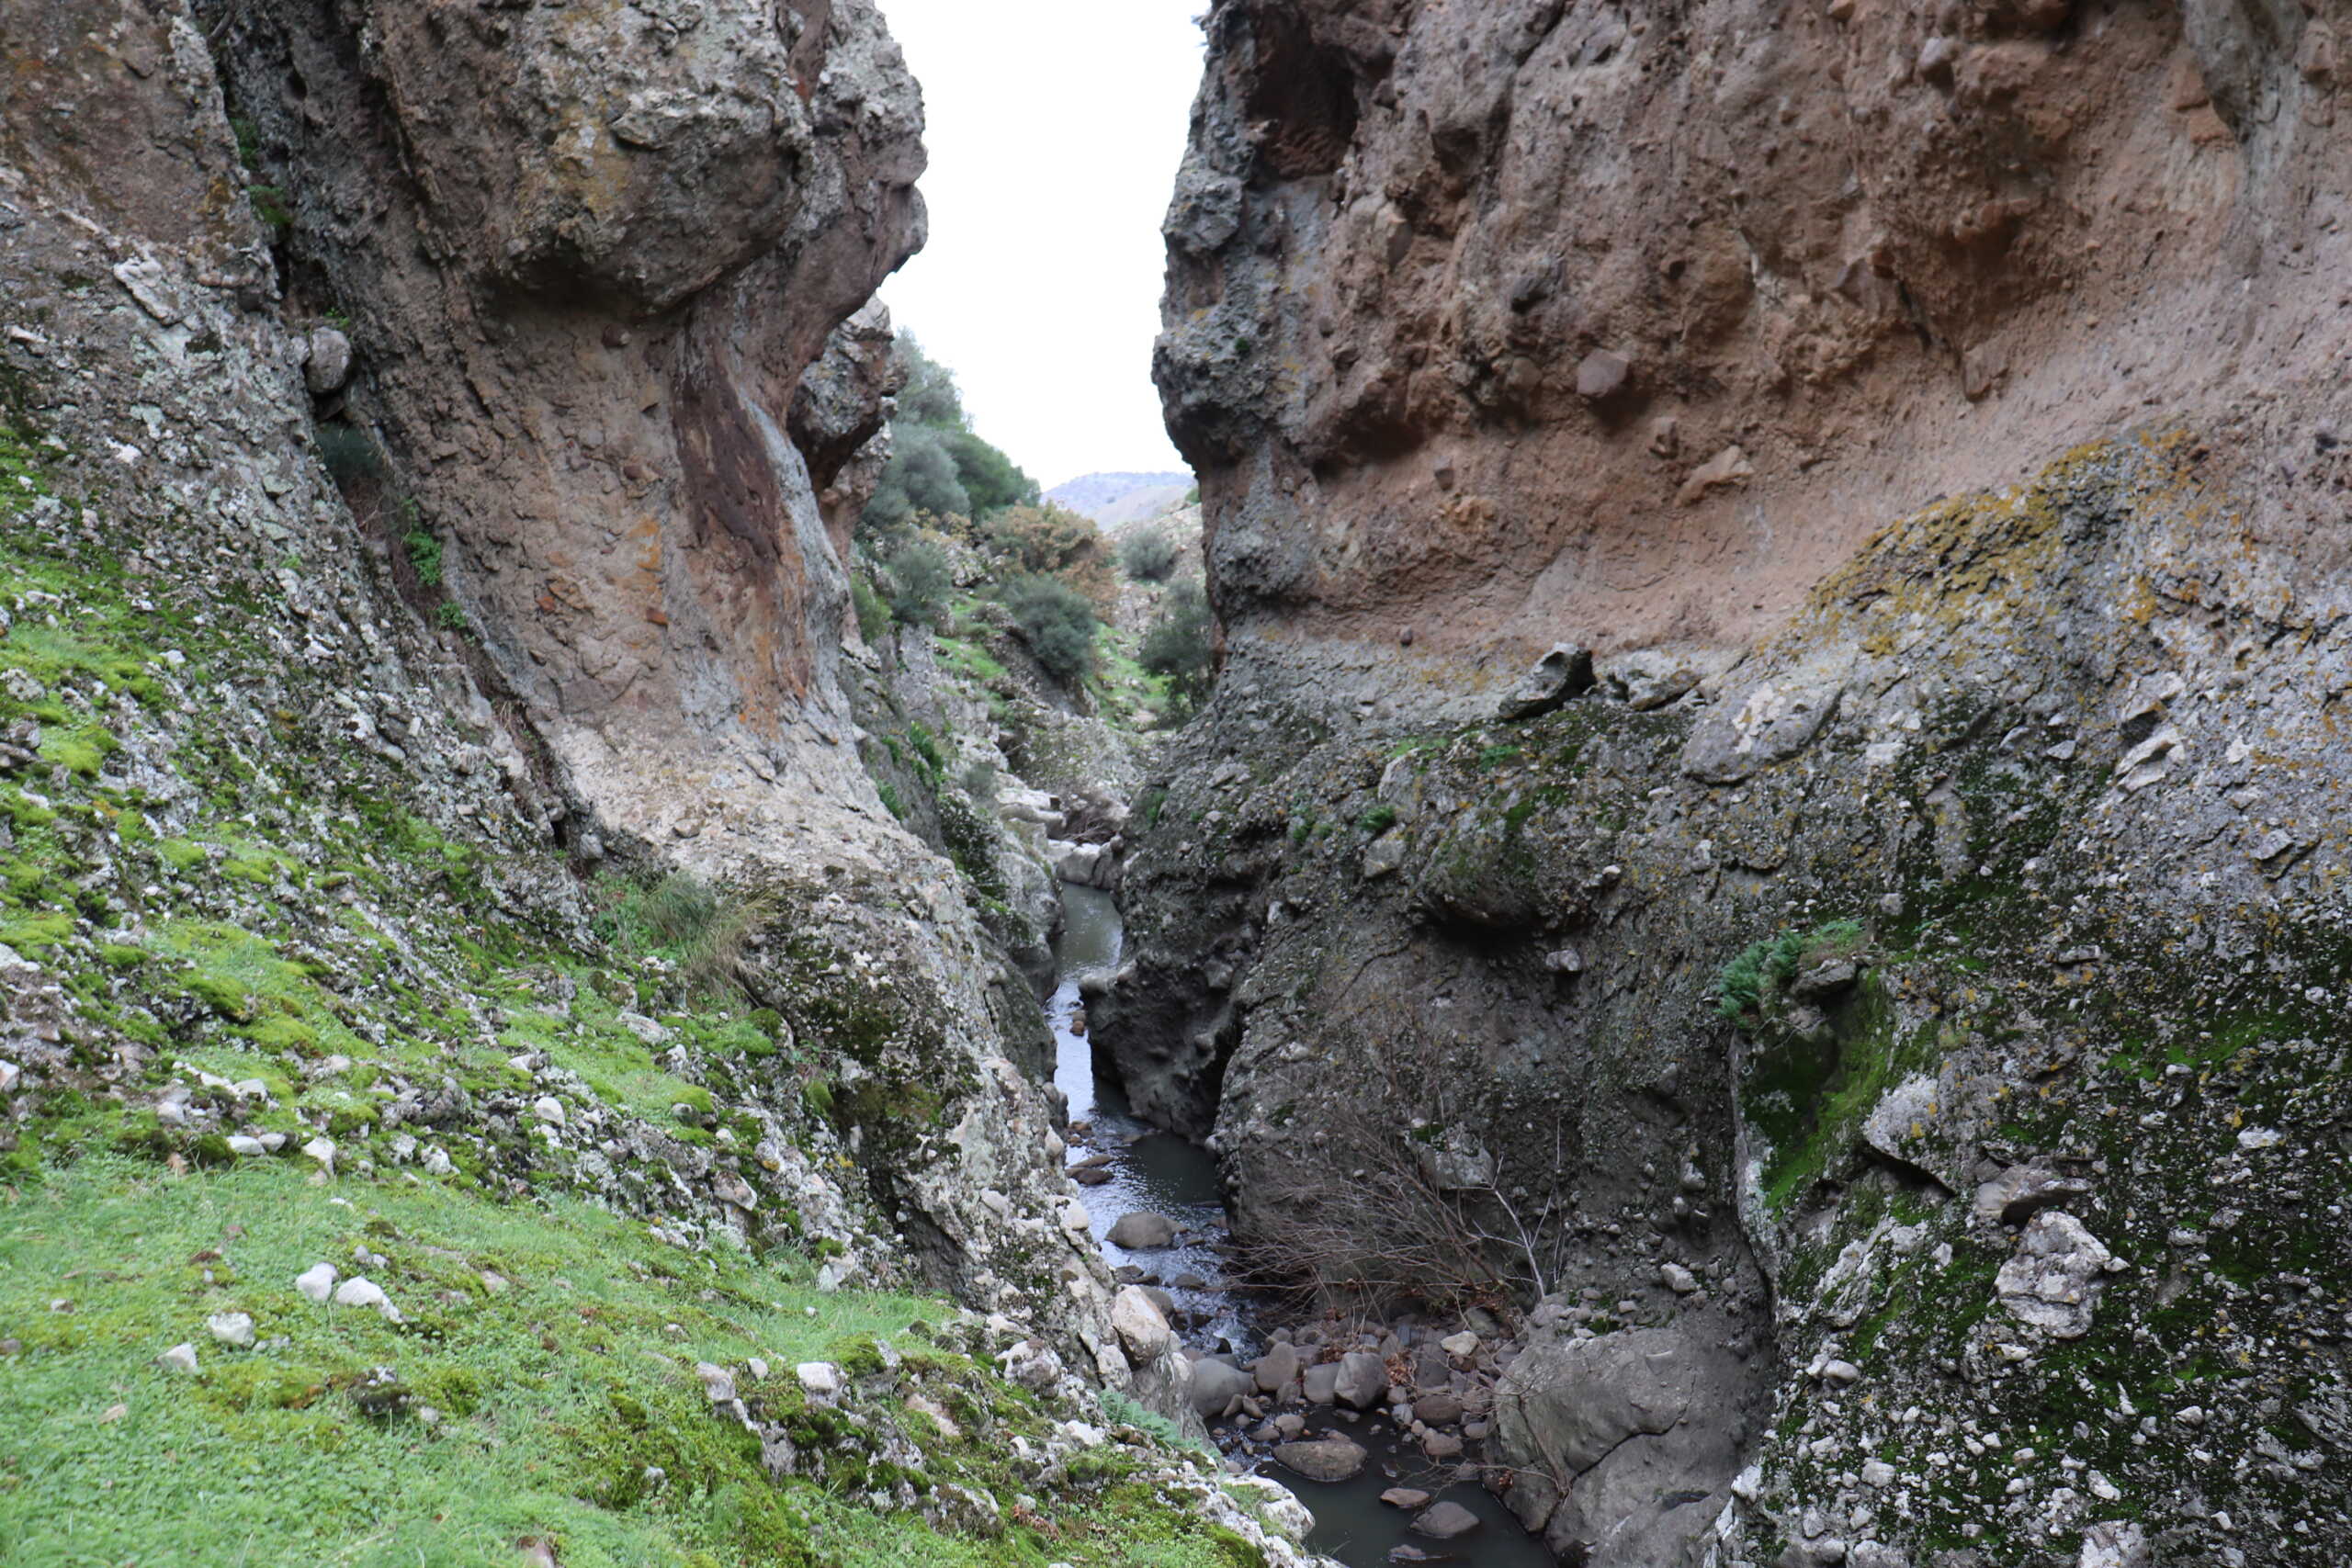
<point x="1143" y="1232"/>
<point x="1437" y="1409"/>
<point x="1327" y="1460"/>
<point x="1407" y="1497"/>
<point x="1276" y="1368"/>
<point x="1217" y="1387"/>
<point x="1444" y="1521"/>
<point x="1363" y="1380"/>
<point x="1321" y="1383"/>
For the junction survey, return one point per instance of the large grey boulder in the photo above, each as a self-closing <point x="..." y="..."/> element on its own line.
<point x="1596" y="1430"/>
<point x="1363" y="1380"/>
<point x="1143" y="1232"/>
<point x="1276" y="1368"/>
<point x="1217" y="1387"/>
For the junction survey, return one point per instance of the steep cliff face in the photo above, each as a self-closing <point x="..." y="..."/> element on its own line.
<point x="1890" y="1018"/>
<point x="1490" y="325"/>
<point x="589" y="255"/>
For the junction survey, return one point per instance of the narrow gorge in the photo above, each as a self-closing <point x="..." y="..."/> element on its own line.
<point x="1686" y="908"/>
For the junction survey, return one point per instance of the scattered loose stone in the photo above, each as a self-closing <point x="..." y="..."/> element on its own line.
<point x="234" y="1329"/>
<point x="178" y="1359"/>
<point x="548" y="1109"/>
<point x="820" y="1378"/>
<point x="317" y="1283"/>
<point x="361" y="1292"/>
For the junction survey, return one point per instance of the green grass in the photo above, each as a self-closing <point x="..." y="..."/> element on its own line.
<point x="555" y="1392"/>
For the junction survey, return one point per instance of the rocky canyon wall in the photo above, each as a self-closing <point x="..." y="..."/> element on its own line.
<point x="1884" y="1014"/>
<point x="1490" y="325"/>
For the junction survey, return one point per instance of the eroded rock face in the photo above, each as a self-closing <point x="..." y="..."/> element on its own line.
<point x="1493" y="324"/>
<point x="601" y="265"/>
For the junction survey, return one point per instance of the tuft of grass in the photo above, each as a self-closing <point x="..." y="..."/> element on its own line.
<point x="424" y="553"/>
<point x="1764" y="968"/>
<point x="703" y="928"/>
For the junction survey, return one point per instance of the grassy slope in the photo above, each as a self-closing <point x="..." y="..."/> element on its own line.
<point x="283" y="906"/>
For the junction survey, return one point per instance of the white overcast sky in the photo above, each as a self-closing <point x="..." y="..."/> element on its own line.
<point x="1056" y="127"/>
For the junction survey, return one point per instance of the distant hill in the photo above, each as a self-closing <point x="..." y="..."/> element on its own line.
<point x="1113" y="499"/>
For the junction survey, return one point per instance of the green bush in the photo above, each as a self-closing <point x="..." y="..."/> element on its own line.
<point x="1181" y="646"/>
<point x="1053" y="541"/>
<point x="921" y="582"/>
<point x="872" y="614"/>
<point x="1764" y="968"/>
<point x="1057" y="621"/>
<point x="1150" y="555"/>
<point x="424" y="555"/>
<point x="938" y="465"/>
<point x="350" y="453"/>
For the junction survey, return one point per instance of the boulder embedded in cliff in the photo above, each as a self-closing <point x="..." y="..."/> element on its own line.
<point x="1563" y="673"/>
<point x="2054" y="1280"/>
<point x="326" y="362"/>
<point x="1777" y="720"/>
<point x="1141" y="1326"/>
<point x="1329" y="1460"/>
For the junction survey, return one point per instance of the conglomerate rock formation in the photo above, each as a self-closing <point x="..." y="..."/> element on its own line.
<point x="1892" y="1014"/>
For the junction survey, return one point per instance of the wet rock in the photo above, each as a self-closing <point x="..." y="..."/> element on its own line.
<point x="1437" y="1409"/>
<point x="1327" y="1460"/>
<point x="1321" y="1383"/>
<point x="1143" y="1232"/>
<point x="1444" y="1521"/>
<point x="1405" y="1497"/>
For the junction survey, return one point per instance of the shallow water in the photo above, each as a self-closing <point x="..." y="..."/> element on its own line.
<point x="1153" y="1171"/>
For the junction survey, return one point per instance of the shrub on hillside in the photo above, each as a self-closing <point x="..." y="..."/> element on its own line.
<point x="1181" y="645"/>
<point x="1057" y="621"/>
<point x="920" y="583"/>
<point x="938" y="463"/>
<point x="1049" y="541"/>
<point x="1149" y="556"/>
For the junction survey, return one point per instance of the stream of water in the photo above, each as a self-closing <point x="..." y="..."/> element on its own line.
<point x="1153" y="1171"/>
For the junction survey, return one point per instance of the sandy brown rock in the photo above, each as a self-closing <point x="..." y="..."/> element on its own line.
<point x="1852" y="257"/>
